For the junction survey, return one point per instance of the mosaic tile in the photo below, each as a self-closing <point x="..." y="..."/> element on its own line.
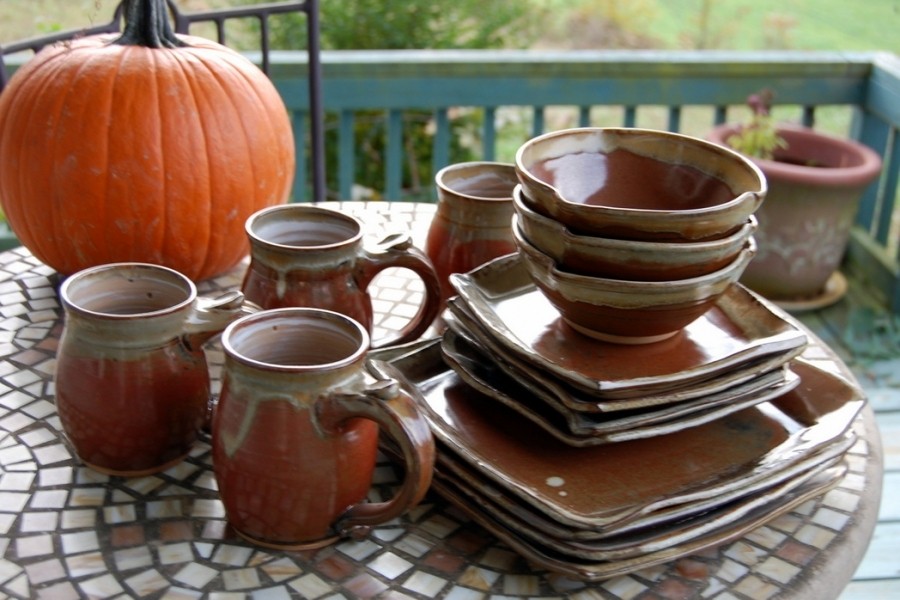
<point x="133" y="558"/>
<point x="170" y="554"/>
<point x="240" y="579"/>
<point x="85" y="564"/>
<point x="390" y="565"/>
<point x="147" y="582"/>
<point x="311" y="586"/>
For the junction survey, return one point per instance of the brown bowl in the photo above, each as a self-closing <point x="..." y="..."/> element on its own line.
<point x="628" y="312"/>
<point x="627" y="259"/>
<point x="639" y="184"/>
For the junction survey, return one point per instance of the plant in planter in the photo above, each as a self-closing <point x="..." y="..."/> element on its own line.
<point x="815" y="183"/>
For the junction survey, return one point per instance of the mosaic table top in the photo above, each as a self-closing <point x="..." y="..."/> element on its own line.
<point x="69" y="532"/>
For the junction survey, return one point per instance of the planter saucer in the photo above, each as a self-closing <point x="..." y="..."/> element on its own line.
<point x="835" y="289"/>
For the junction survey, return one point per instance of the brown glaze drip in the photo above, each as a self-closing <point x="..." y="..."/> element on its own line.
<point x="624" y="179"/>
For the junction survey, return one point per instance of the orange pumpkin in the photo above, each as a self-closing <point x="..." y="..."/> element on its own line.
<point x="150" y="147"/>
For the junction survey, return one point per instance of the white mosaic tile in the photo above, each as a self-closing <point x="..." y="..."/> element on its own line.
<point x="282" y="569"/>
<point x="104" y="586"/>
<point x="390" y="565"/>
<point x="133" y="558"/>
<point x="83" y="541"/>
<point x="240" y="579"/>
<point x="171" y="554"/>
<point x="147" y="582"/>
<point x="231" y="555"/>
<point x="86" y="564"/>
<point x="79" y="519"/>
<point x="358" y="550"/>
<point x="414" y="545"/>
<point x="195" y="575"/>
<point x="311" y="586"/>
<point x="756" y="588"/>
<point x="425" y="584"/>
<point x="120" y="513"/>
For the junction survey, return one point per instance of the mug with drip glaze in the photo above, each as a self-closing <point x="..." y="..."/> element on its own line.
<point x="295" y="432"/>
<point x="309" y="256"/>
<point x="132" y="383"/>
<point x="472" y="224"/>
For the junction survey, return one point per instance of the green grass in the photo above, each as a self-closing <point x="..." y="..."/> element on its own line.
<point x="782" y="24"/>
<point x="732" y="24"/>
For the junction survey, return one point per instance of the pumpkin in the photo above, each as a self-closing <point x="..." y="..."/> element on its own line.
<point x="146" y="146"/>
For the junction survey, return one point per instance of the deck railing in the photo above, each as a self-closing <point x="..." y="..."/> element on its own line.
<point x="855" y="94"/>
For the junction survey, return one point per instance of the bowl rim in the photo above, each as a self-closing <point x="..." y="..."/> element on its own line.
<point x="526" y="177"/>
<point x="747" y="229"/>
<point x="627" y="286"/>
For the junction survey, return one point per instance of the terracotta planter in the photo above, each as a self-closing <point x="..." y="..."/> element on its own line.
<point x="805" y="220"/>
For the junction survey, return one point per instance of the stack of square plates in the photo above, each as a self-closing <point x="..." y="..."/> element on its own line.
<point x="593" y="459"/>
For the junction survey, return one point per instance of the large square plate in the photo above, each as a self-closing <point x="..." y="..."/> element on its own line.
<point x="739" y="330"/>
<point x="597" y="486"/>
<point x="483" y="374"/>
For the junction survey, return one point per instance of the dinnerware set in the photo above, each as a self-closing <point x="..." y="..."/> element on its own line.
<point x="594" y="459"/>
<point x="596" y="412"/>
<point x="604" y="396"/>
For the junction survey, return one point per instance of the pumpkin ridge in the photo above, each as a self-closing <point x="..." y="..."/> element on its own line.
<point x="185" y="71"/>
<point x="40" y="81"/>
<point x="47" y="227"/>
<point x="103" y="206"/>
<point x="218" y="239"/>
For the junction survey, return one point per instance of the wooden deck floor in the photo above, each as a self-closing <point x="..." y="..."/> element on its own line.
<point x="868" y="339"/>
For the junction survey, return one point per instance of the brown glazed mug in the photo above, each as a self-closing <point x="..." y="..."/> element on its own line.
<point x="295" y="432"/>
<point x="309" y="256"/>
<point x="473" y="221"/>
<point x="132" y="383"/>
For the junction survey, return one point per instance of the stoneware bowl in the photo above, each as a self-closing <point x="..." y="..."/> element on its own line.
<point x="639" y="184"/>
<point x="628" y="312"/>
<point x="627" y="259"/>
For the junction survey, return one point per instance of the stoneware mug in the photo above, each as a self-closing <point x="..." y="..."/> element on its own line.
<point x="295" y="432"/>
<point x="472" y="224"/>
<point x="132" y="383"/>
<point x="309" y="256"/>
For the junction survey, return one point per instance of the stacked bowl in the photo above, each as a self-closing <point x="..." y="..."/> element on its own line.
<point x="632" y="234"/>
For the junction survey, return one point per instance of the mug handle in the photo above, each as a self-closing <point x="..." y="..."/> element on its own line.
<point x="210" y="315"/>
<point x="397" y="250"/>
<point x="397" y="415"/>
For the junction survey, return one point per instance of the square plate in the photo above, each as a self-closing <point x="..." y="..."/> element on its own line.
<point x="483" y="374"/>
<point x="598" y="486"/>
<point x="591" y="570"/>
<point x="739" y="330"/>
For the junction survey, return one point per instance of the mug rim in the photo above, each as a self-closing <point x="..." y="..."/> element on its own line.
<point x="246" y="322"/>
<point x="81" y="277"/>
<point x="294" y="207"/>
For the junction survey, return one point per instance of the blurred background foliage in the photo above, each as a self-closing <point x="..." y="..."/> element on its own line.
<point x="531" y="24"/>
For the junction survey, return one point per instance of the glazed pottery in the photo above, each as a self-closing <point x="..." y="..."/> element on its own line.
<point x="295" y="433"/>
<point x="696" y="465"/>
<point x="627" y="259"/>
<point x="472" y="222"/>
<point x="639" y="184"/>
<point x="723" y="347"/>
<point x="815" y="186"/>
<point x="309" y="256"/>
<point x="547" y="557"/>
<point x="132" y="385"/>
<point x="576" y="428"/>
<point x="625" y="311"/>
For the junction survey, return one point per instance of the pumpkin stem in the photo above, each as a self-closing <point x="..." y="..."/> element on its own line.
<point x="147" y="25"/>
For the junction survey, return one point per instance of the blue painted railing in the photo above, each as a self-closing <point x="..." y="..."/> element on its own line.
<point x="678" y="91"/>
